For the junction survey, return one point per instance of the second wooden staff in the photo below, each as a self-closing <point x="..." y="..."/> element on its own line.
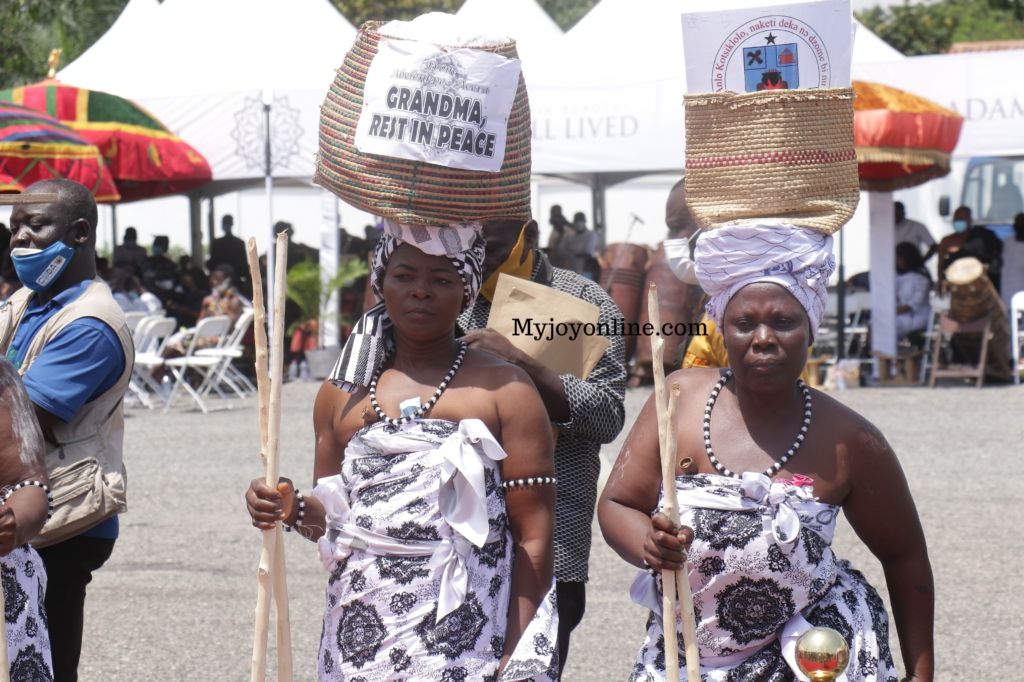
<point x="667" y="408"/>
<point x="271" y="572"/>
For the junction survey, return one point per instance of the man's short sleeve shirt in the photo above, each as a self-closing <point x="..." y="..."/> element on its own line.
<point x="78" y="365"/>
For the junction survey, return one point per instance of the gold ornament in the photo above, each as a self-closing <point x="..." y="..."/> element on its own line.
<point x="822" y="654"/>
<point x="54" y="60"/>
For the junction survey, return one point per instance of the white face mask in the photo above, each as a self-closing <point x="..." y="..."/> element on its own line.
<point x="223" y="287"/>
<point x="679" y="253"/>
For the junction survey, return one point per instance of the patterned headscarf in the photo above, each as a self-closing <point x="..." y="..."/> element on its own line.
<point x="372" y="336"/>
<point x="798" y="259"/>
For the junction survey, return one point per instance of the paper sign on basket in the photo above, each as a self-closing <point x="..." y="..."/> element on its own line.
<point x="445" y="107"/>
<point x="805" y="46"/>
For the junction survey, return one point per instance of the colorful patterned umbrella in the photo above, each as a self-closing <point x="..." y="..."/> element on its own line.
<point x="145" y="158"/>
<point x="35" y="147"/>
<point x="902" y="140"/>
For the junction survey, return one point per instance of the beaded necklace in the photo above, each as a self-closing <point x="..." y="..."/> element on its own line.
<point x="430" y="403"/>
<point x="773" y="469"/>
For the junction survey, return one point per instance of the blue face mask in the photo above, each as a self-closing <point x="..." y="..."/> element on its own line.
<point x="38" y="269"/>
<point x="960" y="225"/>
<point x="159" y="250"/>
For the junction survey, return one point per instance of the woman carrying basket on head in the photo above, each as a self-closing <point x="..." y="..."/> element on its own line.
<point x="434" y="498"/>
<point x="764" y="463"/>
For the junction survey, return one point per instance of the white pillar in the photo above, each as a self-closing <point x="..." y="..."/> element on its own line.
<point x="330" y="333"/>
<point x="883" y="273"/>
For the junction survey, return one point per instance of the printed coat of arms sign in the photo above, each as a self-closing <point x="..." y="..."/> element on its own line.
<point x="806" y="46"/>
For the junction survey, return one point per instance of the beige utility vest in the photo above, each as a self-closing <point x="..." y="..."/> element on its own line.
<point x="84" y="463"/>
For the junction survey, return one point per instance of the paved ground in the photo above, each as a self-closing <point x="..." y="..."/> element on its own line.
<point x="175" y="602"/>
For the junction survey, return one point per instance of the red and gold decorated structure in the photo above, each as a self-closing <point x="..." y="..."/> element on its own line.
<point x="36" y="147"/>
<point x="902" y="140"/>
<point x="145" y="159"/>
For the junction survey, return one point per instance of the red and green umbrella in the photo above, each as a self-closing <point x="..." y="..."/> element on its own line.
<point x="36" y="147"/>
<point x="145" y="158"/>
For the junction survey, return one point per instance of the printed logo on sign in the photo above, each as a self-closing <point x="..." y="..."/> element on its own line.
<point x="51" y="271"/>
<point x="772" y="67"/>
<point x="446" y="108"/>
<point x="772" y="53"/>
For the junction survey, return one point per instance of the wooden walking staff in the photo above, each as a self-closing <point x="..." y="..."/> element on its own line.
<point x="667" y="406"/>
<point x="271" y="571"/>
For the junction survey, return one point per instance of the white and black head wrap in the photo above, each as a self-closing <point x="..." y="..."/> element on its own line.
<point x="372" y="336"/>
<point x="798" y="259"/>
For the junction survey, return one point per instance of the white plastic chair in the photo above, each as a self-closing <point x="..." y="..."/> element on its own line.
<point x="939" y="307"/>
<point x="858" y="305"/>
<point x="217" y="327"/>
<point x="150" y="338"/>
<point x="1017" y="336"/>
<point x="133" y="320"/>
<point x="230" y="350"/>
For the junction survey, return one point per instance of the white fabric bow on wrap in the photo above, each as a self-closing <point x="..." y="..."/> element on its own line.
<point x="462" y="500"/>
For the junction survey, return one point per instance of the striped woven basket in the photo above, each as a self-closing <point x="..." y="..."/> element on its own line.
<point x="414" y="192"/>
<point x="783" y="155"/>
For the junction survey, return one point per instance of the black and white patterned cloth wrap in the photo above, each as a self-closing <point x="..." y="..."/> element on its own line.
<point x="371" y="337"/>
<point x="597" y="414"/>
<point x="28" y="641"/>
<point x="763" y="573"/>
<point x="420" y="556"/>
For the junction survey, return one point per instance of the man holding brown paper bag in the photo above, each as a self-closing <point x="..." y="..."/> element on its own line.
<point x="587" y="411"/>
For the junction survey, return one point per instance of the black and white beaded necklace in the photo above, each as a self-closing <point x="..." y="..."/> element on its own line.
<point x="430" y="403"/>
<point x="773" y="469"/>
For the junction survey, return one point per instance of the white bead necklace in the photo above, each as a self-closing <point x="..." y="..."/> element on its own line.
<point x="773" y="469"/>
<point x="430" y="403"/>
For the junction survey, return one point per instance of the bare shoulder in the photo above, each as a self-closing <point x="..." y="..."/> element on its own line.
<point x="695" y="380"/>
<point x="9" y="377"/>
<point x="334" y="406"/>
<point x="486" y="371"/>
<point x="848" y="427"/>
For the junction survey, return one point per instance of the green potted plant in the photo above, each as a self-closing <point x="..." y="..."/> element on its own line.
<point x="310" y="291"/>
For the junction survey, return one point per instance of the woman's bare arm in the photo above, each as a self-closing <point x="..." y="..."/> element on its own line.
<point x="526" y="437"/>
<point x="634" y="486"/>
<point x="882" y="512"/>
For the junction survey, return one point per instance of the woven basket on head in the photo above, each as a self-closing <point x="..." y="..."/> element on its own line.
<point x="415" y="192"/>
<point x="786" y="155"/>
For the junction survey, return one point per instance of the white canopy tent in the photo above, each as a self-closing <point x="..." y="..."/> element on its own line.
<point x="205" y="68"/>
<point x="200" y="66"/>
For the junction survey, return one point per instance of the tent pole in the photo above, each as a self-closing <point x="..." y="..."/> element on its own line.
<point x="113" y="232"/>
<point x="598" y="208"/>
<point x="209" y="226"/>
<point x="269" y="185"/>
<point x="882" y="247"/>
<point x="841" y="303"/>
<point x="196" y="225"/>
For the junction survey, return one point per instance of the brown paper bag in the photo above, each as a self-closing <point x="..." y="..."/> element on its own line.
<point x="517" y="301"/>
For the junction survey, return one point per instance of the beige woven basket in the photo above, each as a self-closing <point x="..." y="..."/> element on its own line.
<point x="415" y="192"/>
<point x="783" y="155"/>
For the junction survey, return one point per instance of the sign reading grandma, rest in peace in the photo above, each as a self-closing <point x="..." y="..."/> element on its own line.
<point x="445" y="107"/>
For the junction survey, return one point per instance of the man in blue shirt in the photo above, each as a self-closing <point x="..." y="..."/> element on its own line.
<point x="78" y="372"/>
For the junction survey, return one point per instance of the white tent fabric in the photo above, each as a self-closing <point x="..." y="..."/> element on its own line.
<point x="200" y="66"/>
<point x="611" y="101"/>
<point x="534" y="31"/>
<point x="979" y="86"/>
